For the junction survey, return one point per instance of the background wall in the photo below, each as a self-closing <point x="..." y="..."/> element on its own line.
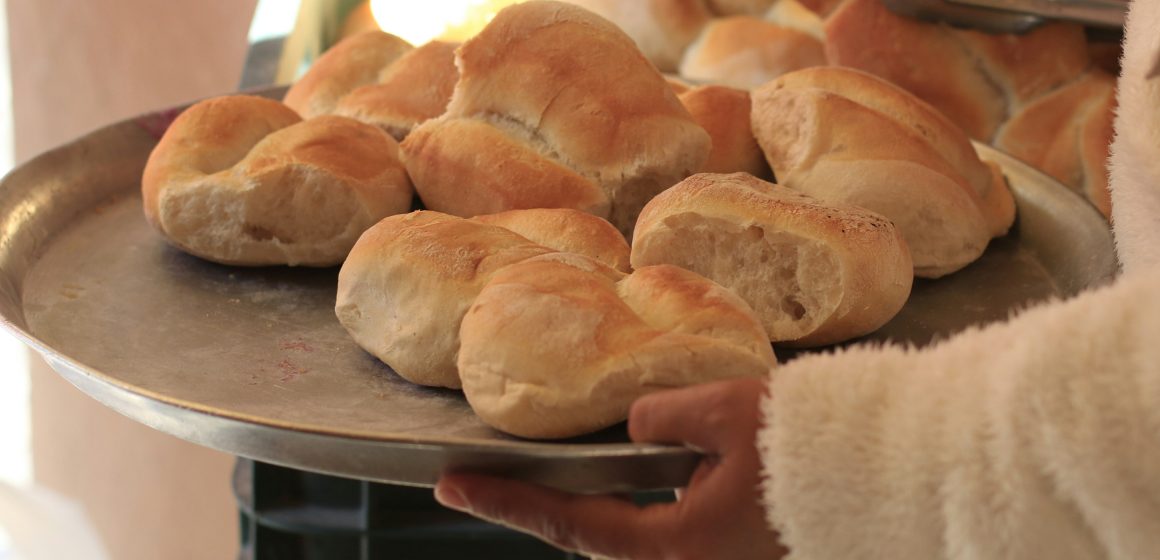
<point x="77" y="65"/>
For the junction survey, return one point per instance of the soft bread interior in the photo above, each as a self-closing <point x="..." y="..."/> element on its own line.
<point x="792" y="282"/>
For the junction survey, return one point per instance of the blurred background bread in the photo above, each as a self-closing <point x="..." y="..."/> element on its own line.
<point x="601" y="340"/>
<point x="243" y="180"/>
<point x="354" y="62"/>
<point x="815" y="273"/>
<point x="980" y="81"/>
<point x="724" y="113"/>
<point x="662" y="29"/>
<point x="746" y="52"/>
<point x="411" y="90"/>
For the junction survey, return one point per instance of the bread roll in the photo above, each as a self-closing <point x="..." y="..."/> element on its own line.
<point x="724" y="113"/>
<point x="413" y="89"/>
<point x="739" y="7"/>
<point x="408" y="281"/>
<point x="567" y="231"/>
<point x="814" y="273"/>
<point x="746" y="52"/>
<point x="559" y="346"/>
<point x="353" y="62"/>
<point x="244" y="181"/>
<point x="845" y="136"/>
<point x="795" y="15"/>
<point x="554" y="107"/>
<point x="1067" y="134"/>
<point x="662" y="29"/>
<point x="976" y="79"/>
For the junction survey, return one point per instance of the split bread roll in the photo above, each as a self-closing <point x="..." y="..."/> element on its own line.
<point x="560" y="345"/>
<point x="844" y="136"/>
<point x="814" y="273"/>
<point x="554" y="108"/>
<point x="746" y="52"/>
<point x="408" y="281"/>
<point x="356" y="61"/>
<point x="412" y="90"/>
<point x="1068" y="134"/>
<point x="724" y="113"/>
<point x="243" y="180"/>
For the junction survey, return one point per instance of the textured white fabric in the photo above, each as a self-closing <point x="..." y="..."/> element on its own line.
<point x="1135" y="161"/>
<point x="1035" y="438"/>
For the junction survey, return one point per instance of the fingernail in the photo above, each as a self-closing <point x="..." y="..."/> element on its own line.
<point x="451" y="498"/>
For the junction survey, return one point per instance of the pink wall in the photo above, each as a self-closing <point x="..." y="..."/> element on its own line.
<point x="77" y="65"/>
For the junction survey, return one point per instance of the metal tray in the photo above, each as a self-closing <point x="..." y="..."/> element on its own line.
<point x="252" y="361"/>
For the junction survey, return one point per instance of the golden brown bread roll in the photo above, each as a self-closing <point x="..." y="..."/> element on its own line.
<point x="746" y="52"/>
<point x="1067" y="134"/>
<point x="554" y="107"/>
<point x="845" y="136"/>
<point x="739" y="7"/>
<point x="567" y="231"/>
<point x="413" y="89"/>
<point x="243" y="180"/>
<point x="724" y="113"/>
<point x="408" y="281"/>
<point x="356" y="61"/>
<point x="976" y="79"/>
<point x="814" y="273"/>
<point x="662" y="29"/>
<point x="795" y="15"/>
<point x="560" y="345"/>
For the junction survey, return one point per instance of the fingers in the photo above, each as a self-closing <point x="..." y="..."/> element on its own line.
<point x="711" y="418"/>
<point x="601" y="525"/>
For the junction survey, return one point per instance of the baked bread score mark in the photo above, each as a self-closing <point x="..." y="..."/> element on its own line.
<point x="407" y="283"/>
<point x="847" y="137"/>
<point x="555" y="107"/>
<point x="601" y="340"/>
<point x="243" y="180"/>
<point x="814" y="273"/>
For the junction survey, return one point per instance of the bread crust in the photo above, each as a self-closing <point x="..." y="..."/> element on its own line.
<point x="1068" y="134"/>
<point x="568" y="86"/>
<point x="662" y="29"/>
<point x="407" y="283"/>
<point x="745" y="52"/>
<point x="353" y="62"/>
<point x="412" y="90"/>
<point x="567" y="231"/>
<point x="845" y="136"/>
<point x="602" y="340"/>
<point x="724" y="113"/>
<point x="243" y="180"/>
<point x="815" y="273"/>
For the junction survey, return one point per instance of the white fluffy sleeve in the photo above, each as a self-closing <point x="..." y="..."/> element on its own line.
<point x="1036" y="438"/>
<point x="1039" y="438"/>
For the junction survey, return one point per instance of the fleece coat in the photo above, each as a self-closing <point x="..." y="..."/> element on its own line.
<point x="1035" y="438"/>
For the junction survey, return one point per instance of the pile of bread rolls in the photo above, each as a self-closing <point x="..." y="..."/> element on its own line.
<point x="1042" y="96"/>
<point x="539" y="148"/>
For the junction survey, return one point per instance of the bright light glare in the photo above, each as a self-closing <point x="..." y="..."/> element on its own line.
<point x="449" y="20"/>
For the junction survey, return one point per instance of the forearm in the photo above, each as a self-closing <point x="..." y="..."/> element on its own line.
<point x="1036" y="438"/>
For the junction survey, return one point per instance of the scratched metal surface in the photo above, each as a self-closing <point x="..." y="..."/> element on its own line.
<point x="253" y="361"/>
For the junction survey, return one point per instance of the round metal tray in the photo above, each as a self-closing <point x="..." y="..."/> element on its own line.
<point x="252" y="361"/>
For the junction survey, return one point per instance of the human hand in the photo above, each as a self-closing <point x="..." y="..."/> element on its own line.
<point x="719" y="515"/>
